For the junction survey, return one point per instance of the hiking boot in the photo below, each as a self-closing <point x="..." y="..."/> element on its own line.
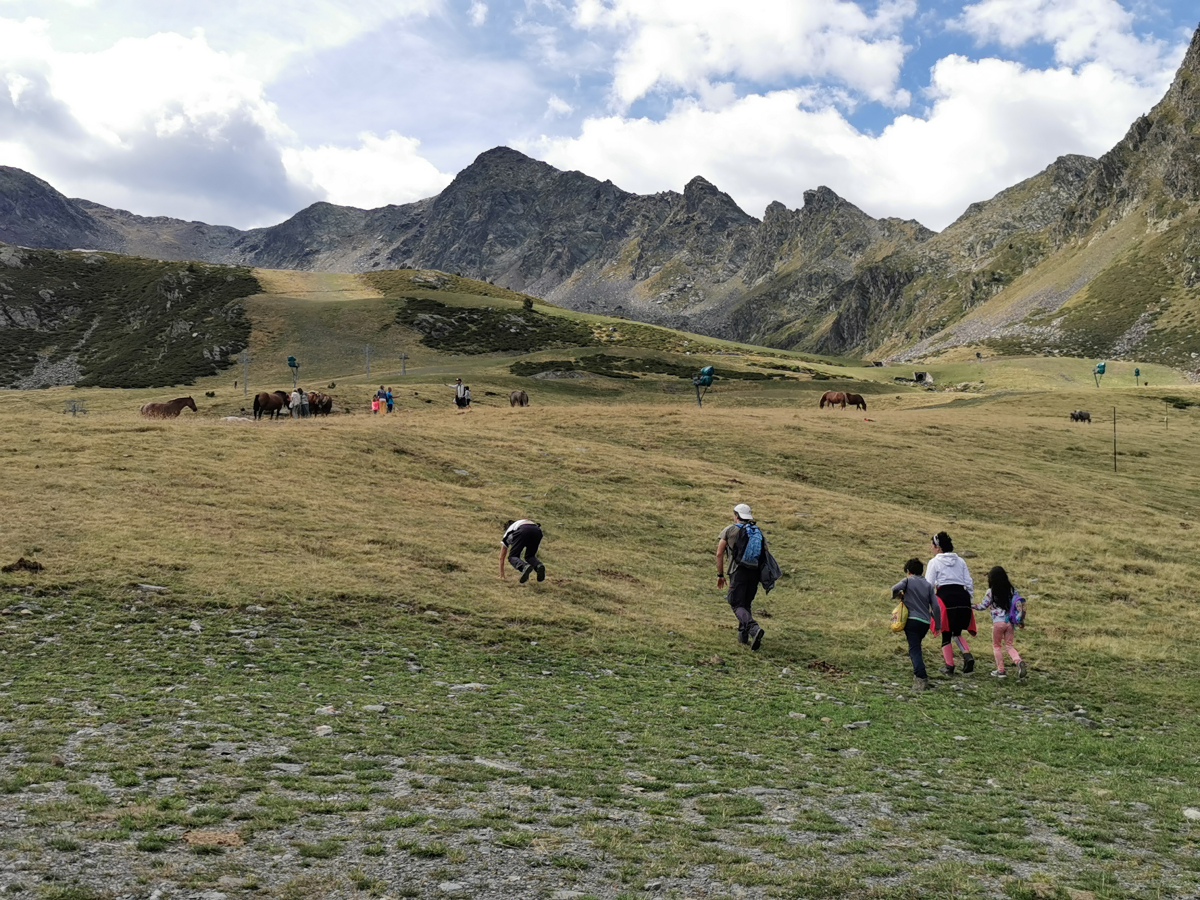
<point x="996" y="673"/>
<point x="743" y="636"/>
<point x="1021" y="670"/>
<point x="541" y="572"/>
<point x="758" y="636"/>
<point x="947" y="670"/>
<point x="922" y="684"/>
<point x="525" y="573"/>
<point x="968" y="664"/>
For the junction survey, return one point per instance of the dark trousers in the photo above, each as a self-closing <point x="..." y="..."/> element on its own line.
<point x="527" y="538"/>
<point x="743" y="585"/>
<point x="958" y="610"/>
<point x="915" y="631"/>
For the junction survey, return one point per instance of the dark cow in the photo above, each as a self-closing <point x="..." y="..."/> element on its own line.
<point x="1081" y="415"/>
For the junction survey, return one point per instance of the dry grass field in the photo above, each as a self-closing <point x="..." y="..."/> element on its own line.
<point x="334" y="694"/>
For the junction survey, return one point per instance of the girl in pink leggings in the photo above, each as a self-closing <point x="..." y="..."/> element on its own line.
<point x="1008" y="614"/>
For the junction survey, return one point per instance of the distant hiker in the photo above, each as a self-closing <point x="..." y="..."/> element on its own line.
<point x="467" y="396"/>
<point x="390" y="399"/>
<point x="522" y="535"/>
<point x="295" y="403"/>
<point x="741" y="551"/>
<point x="375" y="406"/>
<point x="304" y="407"/>
<point x="952" y="582"/>
<point x="1008" y="613"/>
<point x="462" y="395"/>
<point x="916" y="594"/>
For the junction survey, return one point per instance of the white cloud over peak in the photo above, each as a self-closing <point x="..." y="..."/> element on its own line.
<point x="1079" y="30"/>
<point x="477" y="13"/>
<point x="377" y="172"/>
<point x="991" y="124"/>
<point x="167" y="124"/>
<point x="685" y="43"/>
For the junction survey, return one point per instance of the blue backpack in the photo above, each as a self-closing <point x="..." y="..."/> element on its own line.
<point x="747" y="550"/>
<point x="1015" y="615"/>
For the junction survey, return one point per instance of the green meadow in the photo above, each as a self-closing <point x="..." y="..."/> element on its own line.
<point x="276" y="659"/>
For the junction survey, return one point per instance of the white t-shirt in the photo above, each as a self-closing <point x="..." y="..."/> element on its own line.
<point x="512" y="529"/>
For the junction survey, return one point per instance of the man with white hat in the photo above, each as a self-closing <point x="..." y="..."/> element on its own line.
<point x="738" y="557"/>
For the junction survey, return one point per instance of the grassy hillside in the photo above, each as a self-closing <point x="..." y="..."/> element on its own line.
<point x="449" y="327"/>
<point x="600" y="733"/>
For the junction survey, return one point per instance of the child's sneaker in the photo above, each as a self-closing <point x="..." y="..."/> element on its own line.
<point x="996" y="673"/>
<point x="1021" y="670"/>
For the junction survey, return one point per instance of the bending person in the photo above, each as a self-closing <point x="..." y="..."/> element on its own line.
<point x="522" y="535"/>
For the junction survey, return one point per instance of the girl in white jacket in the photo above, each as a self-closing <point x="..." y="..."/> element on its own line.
<point x="952" y="581"/>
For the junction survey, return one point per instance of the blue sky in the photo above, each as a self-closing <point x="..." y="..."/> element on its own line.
<point x="242" y="116"/>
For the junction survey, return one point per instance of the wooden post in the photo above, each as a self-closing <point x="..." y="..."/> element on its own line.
<point x="1114" y="439"/>
<point x="245" y="359"/>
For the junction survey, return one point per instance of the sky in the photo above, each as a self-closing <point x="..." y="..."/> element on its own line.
<point x="242" y="114"/>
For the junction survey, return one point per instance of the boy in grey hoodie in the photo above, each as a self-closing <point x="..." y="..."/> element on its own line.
<point x="948" y="574"/>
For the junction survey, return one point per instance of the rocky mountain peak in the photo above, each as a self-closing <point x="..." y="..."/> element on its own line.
<point x="1185" y="89"/>
<point x="33" y="213"/>
<point x="821" y="199"/>
<point x="704" y="199"/>
<point x="503" y="164"/>
<point x="1158" y="160"/>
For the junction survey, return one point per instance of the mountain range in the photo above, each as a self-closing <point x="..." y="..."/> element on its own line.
<point x="1088" y="257"/>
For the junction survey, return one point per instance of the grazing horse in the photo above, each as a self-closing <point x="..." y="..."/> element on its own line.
<point x="833" y="398"/>
<point x="857" y="401"/>
<point x="518" y="398"/>
<point x="274" y="404"/>
<point x="168" y="410"/>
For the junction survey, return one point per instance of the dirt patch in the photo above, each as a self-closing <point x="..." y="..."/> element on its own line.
<point x="212" y="839"/>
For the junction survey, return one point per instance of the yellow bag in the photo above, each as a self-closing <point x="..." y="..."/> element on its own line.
<point x="899" y="617"/>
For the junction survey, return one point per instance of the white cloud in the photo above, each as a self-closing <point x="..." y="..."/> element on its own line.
<point x="684" y="43"/>
<point x="477" y="13"/>
<point x="169" y="125"/>
<point x="1079" y="30"/>
<point x="556" y="106"/>
<point x="270" y="36"/>
<point x="991" y="124"/>
<point x="378" y="172"/>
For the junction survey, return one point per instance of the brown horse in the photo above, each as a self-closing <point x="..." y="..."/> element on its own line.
<point x="518" y="398"/>
<point x="274" y="403"/>
<point x="833" y="398"/>
<point x="319" y="403"/>
<point x="857" y="401"/>
<point x="168" y="410"/>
